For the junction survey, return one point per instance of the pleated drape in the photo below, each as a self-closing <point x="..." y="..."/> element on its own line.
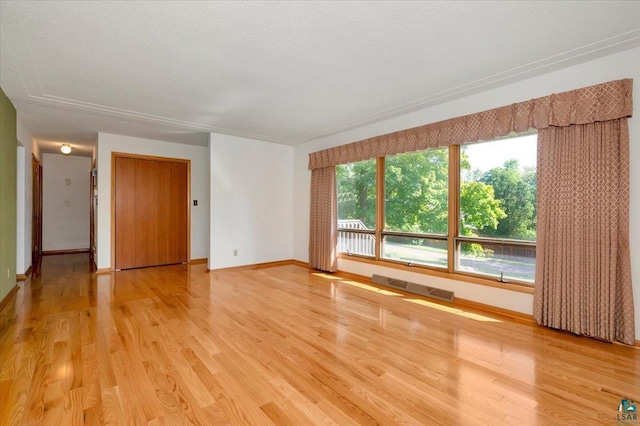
<point x="323" y="229"/>
<point x="601" y="102"/>
<point x="583" y="271"/>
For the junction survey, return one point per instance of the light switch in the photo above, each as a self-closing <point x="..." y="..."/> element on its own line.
<point x="67" y="204"/>
<point x="195" y="202"/>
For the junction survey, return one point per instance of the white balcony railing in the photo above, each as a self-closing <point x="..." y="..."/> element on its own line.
<point x="355" y="242"/>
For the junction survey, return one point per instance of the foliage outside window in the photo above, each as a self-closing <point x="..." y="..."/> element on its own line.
<point x="416" y="209"/>
<point x="494" y="213"/>
<point x="497" y="230"/>
<point x="356" y="193"/>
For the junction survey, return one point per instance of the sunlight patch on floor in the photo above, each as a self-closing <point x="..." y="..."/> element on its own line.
<point x="326" y="276"/>
<point x="455" y="311"/>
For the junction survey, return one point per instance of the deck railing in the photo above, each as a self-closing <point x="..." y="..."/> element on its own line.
<point x="355" y="242"/>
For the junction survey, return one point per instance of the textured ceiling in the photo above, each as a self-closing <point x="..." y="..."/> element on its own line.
<point x="285" y="72"/>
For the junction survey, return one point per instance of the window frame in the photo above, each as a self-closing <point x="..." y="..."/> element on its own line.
<point x="381" y="202"/>
<point x="373" y="232"/>
<point x="452" y="237"/>
<point x="458" y="238"/>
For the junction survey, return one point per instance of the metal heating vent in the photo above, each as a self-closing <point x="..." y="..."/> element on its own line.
<point x="422" y="290"/>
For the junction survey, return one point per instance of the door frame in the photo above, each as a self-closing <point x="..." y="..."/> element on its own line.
<point x="93" y="182"/>
<point x="115" y="155"/>
<point x="36" y="215"/>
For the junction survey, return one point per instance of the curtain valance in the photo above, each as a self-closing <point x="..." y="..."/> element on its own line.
<point x="602" y="102"/>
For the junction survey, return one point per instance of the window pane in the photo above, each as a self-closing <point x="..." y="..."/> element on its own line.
<point x="356" y="189"/>
<point x="416" y="192"/>
<point x="356" y="243"/>
<point x="515" y="262"/>
<point x="498" y="189"/>
<point x="425" y="251"/>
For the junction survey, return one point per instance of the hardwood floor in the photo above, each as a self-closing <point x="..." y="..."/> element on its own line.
<point x="285" y="345"/>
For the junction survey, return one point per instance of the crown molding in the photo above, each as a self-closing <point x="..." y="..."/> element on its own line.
<point x="586" y="53"/>
<point x="133" y="116"/>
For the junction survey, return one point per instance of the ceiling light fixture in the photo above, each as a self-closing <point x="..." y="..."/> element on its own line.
<point x="65" y="148"/>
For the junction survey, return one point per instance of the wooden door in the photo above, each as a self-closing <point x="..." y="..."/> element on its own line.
<point x="178" y="211"/>
<point x="171" y="214"/>
<point x="126" y="215"/>
<point x="147" y="190"/>
<point x="162" y="213"/>
<point x="151" y="208"/>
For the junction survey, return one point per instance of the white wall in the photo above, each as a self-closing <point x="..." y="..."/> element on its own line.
<point x="199" y="156"/>
<point x="65" y="208"/>
<point x="251" y="201"/>
<point x="621" y="65"/>
<point x="24" y="198"/>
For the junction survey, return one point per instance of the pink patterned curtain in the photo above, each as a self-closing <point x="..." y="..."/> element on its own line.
<point x="606" y="101"/>
<point x="323" y="232"/>
<point x="583" y="271"/>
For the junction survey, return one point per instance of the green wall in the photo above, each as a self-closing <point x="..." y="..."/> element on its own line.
<point x="8" y="155"/>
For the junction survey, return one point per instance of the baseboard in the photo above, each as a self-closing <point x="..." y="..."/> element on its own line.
<point x="70" y="251"/>
<point x="512" y="315"/>
<point x="260" y="265"/>
<point x="198" y="261"/>
<point x="300" y="263"/>
<point x="7" y="298"/>
<point x="23" y="277"/>
<point x="103" y="271"/>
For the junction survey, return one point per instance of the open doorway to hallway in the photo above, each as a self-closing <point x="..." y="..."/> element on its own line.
<point x="65" y="217"/>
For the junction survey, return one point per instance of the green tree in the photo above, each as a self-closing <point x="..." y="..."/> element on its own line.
<point x="479" y="208"/>
<point x="416" y="195"/>
<point x="356" y="192"/>
<point x="517" y="195"/>
<point x="529" y="176"/>
<point x="416" y="192"/>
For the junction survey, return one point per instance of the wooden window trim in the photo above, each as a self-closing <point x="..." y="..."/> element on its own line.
<point x="380" y="205"/>
<point x="454" y="206"/>
<point x="452" y="235"/>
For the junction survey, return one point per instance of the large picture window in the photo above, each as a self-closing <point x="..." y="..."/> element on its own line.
<point x="467" y="209"/>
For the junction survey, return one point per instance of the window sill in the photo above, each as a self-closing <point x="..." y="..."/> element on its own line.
<point x="419" y="269"/>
